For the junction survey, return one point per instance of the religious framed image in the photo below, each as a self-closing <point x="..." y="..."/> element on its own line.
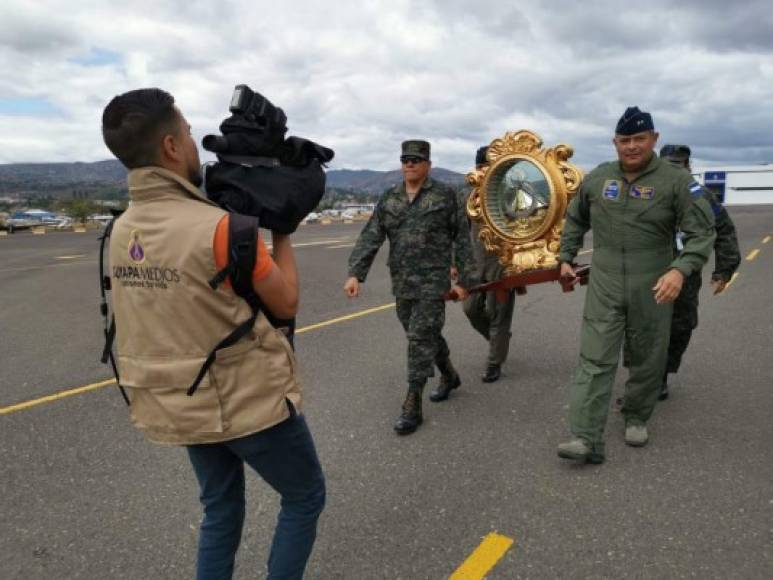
<point x="519" y="199"/>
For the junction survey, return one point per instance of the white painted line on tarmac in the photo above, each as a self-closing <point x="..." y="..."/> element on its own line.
<point x="317" y="243"/>
<point x="306" y="244"/>
<point x="753" y="254"/>
<point x="59" y="265"/>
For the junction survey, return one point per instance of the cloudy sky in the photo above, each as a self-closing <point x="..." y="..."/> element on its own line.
<point x="361" y="76"/>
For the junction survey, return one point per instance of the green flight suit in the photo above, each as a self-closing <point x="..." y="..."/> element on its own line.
<point x="633" y="231"/>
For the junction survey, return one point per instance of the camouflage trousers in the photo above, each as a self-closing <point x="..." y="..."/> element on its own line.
<point x="492" y="319"/>
<point x="684" y="321"/>
<point x="423" y="321"/>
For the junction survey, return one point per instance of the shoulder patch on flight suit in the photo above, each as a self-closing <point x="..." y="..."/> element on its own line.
<point x="611" y="189"/>
<point x="642" y="192"/>
<point x="695" y="189"/>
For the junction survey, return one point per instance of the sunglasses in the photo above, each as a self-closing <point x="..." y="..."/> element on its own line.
<point x="408" y="159"/>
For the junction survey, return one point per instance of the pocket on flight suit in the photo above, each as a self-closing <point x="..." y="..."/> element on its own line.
<point x="600" y="339"/>
<point x="603" y="324"/>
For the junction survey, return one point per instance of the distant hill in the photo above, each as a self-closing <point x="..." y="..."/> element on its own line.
<point x="59" y="180"/>
<point x="371" y="181"/>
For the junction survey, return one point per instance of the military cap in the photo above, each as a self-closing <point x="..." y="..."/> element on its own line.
<point x="634" y="121"/>
<point x="480" y="156"/>
<point x="678" y="153"/>
<point x="416" y="148"/>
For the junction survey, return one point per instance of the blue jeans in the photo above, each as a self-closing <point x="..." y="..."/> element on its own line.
<point x="285" y="457"/>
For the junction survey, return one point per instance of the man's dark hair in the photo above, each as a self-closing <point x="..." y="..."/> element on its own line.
<point x="134" y="123"/>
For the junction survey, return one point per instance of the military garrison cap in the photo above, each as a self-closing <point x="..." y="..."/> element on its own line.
<point x="416" y="148"/>
<point x="678" y="153"/>
<point x="634" y="121"/>
<point x="480" y="156"/>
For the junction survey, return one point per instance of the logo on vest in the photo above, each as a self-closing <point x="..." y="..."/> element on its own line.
<point x="136" y="251"/>
<point x="138" y="273"/>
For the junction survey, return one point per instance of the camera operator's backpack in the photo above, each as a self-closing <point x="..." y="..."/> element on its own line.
<point x="243" y="232"/>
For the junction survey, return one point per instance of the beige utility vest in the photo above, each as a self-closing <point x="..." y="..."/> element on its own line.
<point x="168" y="320"/>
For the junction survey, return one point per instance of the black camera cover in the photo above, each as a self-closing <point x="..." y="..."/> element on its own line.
<point x="260" y="173"/>
<point x="280" y="196"/>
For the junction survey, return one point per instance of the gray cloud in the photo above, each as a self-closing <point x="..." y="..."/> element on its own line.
<point x="362" y="76"/>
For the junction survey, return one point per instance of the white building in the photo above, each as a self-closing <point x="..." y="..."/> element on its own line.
<point x="739" y="185"/>
<point x="358" y="208"/>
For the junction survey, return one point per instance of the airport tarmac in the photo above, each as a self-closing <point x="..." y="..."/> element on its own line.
<point x="477" y="490"/>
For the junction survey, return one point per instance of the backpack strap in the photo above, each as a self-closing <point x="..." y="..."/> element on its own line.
<point x="242" y="252"/>
<point x="104" y="309"/>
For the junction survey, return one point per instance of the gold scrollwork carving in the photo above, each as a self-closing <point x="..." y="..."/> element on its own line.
<point x="519" y="199"/>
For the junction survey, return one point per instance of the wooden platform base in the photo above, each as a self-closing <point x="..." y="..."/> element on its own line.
<point x="519" y="282"/>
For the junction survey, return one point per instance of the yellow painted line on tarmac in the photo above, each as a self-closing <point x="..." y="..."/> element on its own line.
<point x="345" y="318"/>
<point x="105" y="383"/>
<point x="766" y="239"/>
<point x="484" y="558"/>
<point x="55" y="397"/>
<point x="730" y="282"/>
<point x="583" y="252"/>
<point x="753" y="254"/>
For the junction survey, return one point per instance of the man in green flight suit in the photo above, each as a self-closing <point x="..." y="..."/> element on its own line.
<point x="727" y="258"/>
<point x="425" y="223"/>
<point x="634" y="205"/>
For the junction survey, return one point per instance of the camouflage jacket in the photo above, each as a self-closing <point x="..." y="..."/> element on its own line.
<point x="727" y="255"/>
<point x="487" y="265"/>
<point x="422" y="234"/>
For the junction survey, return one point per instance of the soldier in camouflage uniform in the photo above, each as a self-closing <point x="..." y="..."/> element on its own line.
<point x="727" y="258"/>
<point x="490" y="317"/>
<point x="424" y="223"/>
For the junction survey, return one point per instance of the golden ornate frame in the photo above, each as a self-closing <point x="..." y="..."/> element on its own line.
<point x="532" y="244"/>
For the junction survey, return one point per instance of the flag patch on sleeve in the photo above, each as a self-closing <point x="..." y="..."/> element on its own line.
<point x="696" y="190"/>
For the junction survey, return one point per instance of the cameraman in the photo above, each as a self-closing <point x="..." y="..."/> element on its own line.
<point x="163" y="251"/>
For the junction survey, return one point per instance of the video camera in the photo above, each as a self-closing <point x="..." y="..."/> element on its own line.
<point x="259" y="172"/>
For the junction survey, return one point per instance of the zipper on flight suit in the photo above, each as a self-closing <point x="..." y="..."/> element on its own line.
<point x="624" y="193"/>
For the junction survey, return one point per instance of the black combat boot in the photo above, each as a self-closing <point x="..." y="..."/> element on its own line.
<point x="447" y="384"/>
<point x="410" y="419"/>
<point x="492" y="373"/>
<point x="449" y="380"/>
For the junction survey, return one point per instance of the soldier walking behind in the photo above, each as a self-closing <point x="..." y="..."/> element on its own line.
<point x="424" y="222"/>
<point x="490" y="317"/>
<point x="727" y="257"/>
<point x="634" y="205"/>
